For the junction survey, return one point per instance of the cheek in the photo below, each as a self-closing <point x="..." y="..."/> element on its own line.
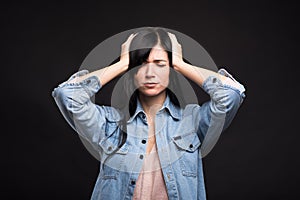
<point x="138" y="79"/>
<point x="139" y="74"/>
<point x="164" y="80"/>
<point x="135" y="80"/>
<point x="166" y="83"/>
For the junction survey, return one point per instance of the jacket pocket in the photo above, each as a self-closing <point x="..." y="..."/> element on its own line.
<point x="109" y="143"/>
<point x="187" y="152"/>
<point x="112" y="157"/>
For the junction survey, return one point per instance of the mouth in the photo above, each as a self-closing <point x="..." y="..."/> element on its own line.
<point x="150" y="84"/>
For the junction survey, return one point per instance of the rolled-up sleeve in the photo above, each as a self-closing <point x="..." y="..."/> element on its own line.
<point x="74" y="102"/>
<point x="217" y="114"/>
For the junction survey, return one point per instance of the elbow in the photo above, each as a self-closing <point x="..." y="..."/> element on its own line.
<point x="233" y="100"/>
<point x="58" y="96"/>
<point x="226" y="101"/>
<point x="67" y="99"/>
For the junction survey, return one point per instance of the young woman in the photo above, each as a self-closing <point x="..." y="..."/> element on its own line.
<point x="154" y="151"/>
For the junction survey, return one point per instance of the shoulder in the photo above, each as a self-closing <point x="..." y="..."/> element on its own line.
<point x="111" y="114"/>
<point x="190" y="110"/>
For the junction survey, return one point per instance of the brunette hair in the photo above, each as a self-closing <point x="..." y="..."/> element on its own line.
<point x="139" y="51"/>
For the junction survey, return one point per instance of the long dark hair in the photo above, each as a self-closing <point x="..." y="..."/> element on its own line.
<point x="140" y="48"/>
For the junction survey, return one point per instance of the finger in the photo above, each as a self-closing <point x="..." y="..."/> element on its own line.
<point x="171" y="36"/>
<point x="175" y="38"/>
<point x="132" y="36"/>
<point x="129" y="39"/>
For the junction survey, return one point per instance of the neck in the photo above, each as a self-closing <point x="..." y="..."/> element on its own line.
<point x="152" y="104"/>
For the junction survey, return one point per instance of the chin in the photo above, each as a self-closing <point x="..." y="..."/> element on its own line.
<point x="151" y="93"/>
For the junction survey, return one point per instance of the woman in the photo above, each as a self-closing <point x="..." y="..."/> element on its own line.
<point x="154" y="152"/>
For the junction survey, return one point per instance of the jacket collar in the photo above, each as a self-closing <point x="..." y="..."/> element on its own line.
<point x="172" y="110"/>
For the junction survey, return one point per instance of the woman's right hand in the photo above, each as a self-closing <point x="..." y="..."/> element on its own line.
<point x="124" y="58"/>
<point x="106" y="74"/>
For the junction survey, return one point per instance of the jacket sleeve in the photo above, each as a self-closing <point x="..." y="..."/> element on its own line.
<point x="217" y="114"/>
<point x="74" y="102"/>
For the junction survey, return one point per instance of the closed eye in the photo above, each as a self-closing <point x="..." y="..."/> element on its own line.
<point x="161" y="64"/>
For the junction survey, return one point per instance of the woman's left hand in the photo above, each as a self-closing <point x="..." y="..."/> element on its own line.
<point x="176" y="52"/>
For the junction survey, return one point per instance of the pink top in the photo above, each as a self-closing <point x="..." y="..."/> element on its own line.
<point x="150" y="184"/>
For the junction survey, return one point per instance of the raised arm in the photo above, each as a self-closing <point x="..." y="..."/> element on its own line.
<point x="73" y="98"/>
<point x="194" y="73"/>
<point x="226" y="96"/>
<point x="108" y="73"/>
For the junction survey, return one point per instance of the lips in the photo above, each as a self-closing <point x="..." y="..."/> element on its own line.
<point x="150" y="85"/>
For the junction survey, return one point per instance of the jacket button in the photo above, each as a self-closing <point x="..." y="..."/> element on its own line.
<point x="144" y="141"/>
<point x="141" y="157"/>
<point x="109" y="148"/>
<point x="133" y="182"/>
<point x="191" y="145"/>
<point x="143" y="116"/>
<point x="169" y="176"/>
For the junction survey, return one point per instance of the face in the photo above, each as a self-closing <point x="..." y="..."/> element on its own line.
<point x="152" y="77"/>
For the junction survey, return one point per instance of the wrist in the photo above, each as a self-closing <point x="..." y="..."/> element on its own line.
<point x="179" y="66"/>
<point x="121" y="66"/>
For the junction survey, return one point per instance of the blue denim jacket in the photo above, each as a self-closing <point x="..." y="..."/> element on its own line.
<point x="183" y="136"/>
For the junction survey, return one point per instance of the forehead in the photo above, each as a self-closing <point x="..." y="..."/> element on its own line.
<point x="158" y="53"/>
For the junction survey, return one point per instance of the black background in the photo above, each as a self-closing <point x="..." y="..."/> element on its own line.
<point x="44" y="43"/>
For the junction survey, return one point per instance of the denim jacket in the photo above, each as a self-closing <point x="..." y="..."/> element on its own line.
<point x="183" y="136"/>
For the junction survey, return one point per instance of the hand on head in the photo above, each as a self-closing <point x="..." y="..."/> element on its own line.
<point x="176" y="51"/>
<point x="124" y="59"/>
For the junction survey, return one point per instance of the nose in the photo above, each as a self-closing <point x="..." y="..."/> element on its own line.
<point x="149" y="71"/>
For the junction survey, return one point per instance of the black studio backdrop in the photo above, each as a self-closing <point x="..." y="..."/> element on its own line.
<point x="44" y="43"/>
